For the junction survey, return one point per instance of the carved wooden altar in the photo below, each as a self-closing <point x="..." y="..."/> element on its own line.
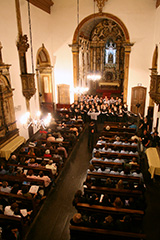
<point x="8" y="127"/>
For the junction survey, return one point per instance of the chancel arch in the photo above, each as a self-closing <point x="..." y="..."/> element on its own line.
<point x="101" y="43"/>
<point x="44" y="79"/>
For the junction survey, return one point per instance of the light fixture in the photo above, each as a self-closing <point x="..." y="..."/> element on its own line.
<point x="95" y="76"/>
<point x="80" y="90"/>
<point x="27" y="120"/>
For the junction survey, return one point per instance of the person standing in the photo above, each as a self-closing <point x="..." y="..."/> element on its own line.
<point x="91" y="131"/>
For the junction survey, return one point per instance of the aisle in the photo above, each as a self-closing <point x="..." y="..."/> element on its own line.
<point x="53" y="220"/>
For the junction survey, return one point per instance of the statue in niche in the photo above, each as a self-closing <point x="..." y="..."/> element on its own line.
<point x="110" y="58"/>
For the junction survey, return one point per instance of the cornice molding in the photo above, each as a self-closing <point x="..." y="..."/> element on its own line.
<point x="44" y="5"/>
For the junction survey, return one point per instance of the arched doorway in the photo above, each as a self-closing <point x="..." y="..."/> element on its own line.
<point x="44" y="78"/>
<point x="101" y="43"/>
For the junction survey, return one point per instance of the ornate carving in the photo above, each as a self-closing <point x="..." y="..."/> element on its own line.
<point x="105" y="30"/>
<point x="28" y="85"/>
<point x="100" y="4"/>
<point x="22" y="44"/>
<point x="155" y="88"/>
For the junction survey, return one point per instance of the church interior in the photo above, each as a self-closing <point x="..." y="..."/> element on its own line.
<point x="63" y="60"/>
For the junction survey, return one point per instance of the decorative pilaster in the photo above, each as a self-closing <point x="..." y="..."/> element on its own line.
<point x="127" y="47"/>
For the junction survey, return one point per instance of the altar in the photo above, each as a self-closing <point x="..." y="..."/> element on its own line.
<point x="10" y="147"/>
<point x="153" y="161"/>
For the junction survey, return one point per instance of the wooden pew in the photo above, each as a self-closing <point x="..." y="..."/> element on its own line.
<point x="116" y="133"/>
<point x="114" y="176"/>
<point x="118" y="147"/>
<point x="81" y="207"/>
<point x="19" y="198"/>
<point x="86" y="233"/>
<point x="118" y="155"/>
<point x="16" y="222"/>
<point x="112" y="191"/>
<point x="17" y="179"/>
<point x="46" y="171"/>
<point x="120" y="129"/>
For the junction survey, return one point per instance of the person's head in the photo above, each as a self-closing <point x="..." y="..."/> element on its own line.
<point x="13" y="157"/>
<point x="109" y="219"/>
<point x="32" y="160"/>
<point x="47" y="152"/>
<point x="78" y="194"/>
<point x="25" y="189"/>
<point x="91" y="168"/>
<point x="4" y="184"/>
<point x="50" y="162"/>
<point x="77" y="218"/>
<point x="30" y="172"/>
<point x="41" y="174"/>
<point x="145" y="132"/>
<point x="108" y="181"/>
<point x="14" y="206"/>
<point x="118" y="202"/>
<point x="134" y="160"/>
<point x="120" y="184"/>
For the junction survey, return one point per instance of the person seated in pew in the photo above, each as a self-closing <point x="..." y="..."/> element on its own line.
<point x="10" y="232"/>
<point x="136" y="173"/>
<point x="117" y="160"/>
<point x="126" y="170"/>
<point x="101" y="141"/>
<point x="52" y="166"/>
<point x="91" y="168"/>
<point x="30" y="174"/>
<point x="108" y="223"/>
<point x="134" y="143"/>
<point x="78" y="198"/>
<point x="77" y="220"/>
<point x="117" y="203"/>
<point x="13" y="159"/>
<point x="88" y="182"/>
<point x="117" y="142"/>
<point x="31" y="151"/>
<point x="14" y="210"/>
<point x="125" y="224"/>
<point x="59" y="137"/>
<point x="103" y="169"/>
<point x="105" y="200"/>
<point x="45" y="178"/>
<point x="114" y="170"/>
<point x="126" y="143"/>
<point x="120" y="184"/>
<point x="61" y="148"/>
<point x="108" y="160"/>
<point x="50" y="138"/>
<point x="106" y="149"/>
<point x="33" y="163"/>
<point x="5" y="188"/>
<point x="123" y="151"/>
<point x="109" y="183"/>
<point x="134" y="162"/>
<point x="20" y="173"/>
<point x="47" y="154"/>
<point x="94" y="199"/>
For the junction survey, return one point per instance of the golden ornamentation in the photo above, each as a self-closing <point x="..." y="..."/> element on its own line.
<point x="28" y="85"/>
<point x="100" y="4"/>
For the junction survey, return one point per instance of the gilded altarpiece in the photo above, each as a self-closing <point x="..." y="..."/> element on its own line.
<point x="7" y="114"/>
<point x="107" y="53"/>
